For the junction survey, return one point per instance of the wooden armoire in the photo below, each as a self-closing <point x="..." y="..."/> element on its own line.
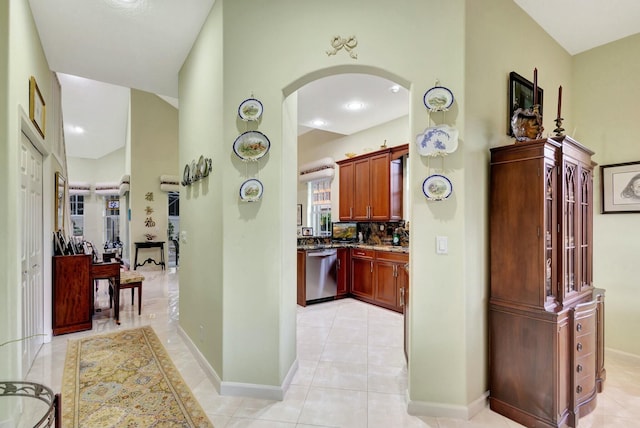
<point x="546" y="319"/>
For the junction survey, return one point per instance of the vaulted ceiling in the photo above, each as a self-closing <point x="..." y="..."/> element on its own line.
<point x="118" y="44"/>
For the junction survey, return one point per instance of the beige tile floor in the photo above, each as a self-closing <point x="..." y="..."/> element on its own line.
<point x="351" y="369"/>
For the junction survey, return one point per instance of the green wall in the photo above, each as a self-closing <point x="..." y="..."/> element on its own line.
<point x="606" y="89"/>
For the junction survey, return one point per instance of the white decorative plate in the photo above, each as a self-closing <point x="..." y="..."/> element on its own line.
<point x="250" y="109"/>
<point x="437" y="187"/>
<point x="251" y="190"/>
<point x="251" y="145"/>
<point x="437" y="140"/>
<point x="438" y="98"/>
<point x="185" y="175"/>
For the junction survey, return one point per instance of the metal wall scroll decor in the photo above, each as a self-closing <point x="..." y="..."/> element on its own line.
<point x="348" y="44"/>
<point x="196" y="171"/>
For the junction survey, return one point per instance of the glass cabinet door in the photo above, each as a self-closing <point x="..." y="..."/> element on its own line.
<point x="569" y="227"/>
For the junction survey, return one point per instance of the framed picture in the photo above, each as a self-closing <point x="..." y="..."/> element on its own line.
<point x="521" y="96"/>
<point x="60" y="201"/>
<point x="620" y="187"/>
<point x="307" y="231"/>
<point x="37" y="111"/>
<point x="299" y="214"/>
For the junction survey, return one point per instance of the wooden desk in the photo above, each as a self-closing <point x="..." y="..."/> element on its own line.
<point x="150" y="244"/>
<point x="109" y="271"/>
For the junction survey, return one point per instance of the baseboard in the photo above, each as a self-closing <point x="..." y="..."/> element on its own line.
<point x="620" y="353"/>
<point x="202" y="361"/>
<point x="442" y="410"/>
<point x="267" y="392"/>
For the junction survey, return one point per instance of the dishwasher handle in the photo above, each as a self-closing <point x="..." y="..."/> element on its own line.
<point x="322" y="253"/>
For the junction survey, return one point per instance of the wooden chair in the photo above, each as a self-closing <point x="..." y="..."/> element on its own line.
<point x="131" y="279"/>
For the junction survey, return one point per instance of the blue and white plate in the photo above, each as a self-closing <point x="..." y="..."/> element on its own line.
<point x="438" y="98"/>
<point x="437" y="140"/>
<point x="437" y="187"/>
<point x="250" y="109"/>
<point x="251" y="190"/>
<point x="251" y="145"/>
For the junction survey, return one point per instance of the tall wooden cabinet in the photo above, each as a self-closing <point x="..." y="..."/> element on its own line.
<point x="72" y="294"/>
<point x="546" y="319"/>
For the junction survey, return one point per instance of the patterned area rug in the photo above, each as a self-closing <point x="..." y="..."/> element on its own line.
<point x="125" y="379"/>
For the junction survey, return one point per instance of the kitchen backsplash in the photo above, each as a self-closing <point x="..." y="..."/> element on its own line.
<point x="372" y="234"/>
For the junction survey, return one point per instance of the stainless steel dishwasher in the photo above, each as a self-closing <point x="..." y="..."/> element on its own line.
<point x="321" y="274"/>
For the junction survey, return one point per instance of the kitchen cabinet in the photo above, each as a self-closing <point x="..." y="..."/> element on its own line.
<point x="71" y="294"/>
<point x="362" y="273"/>
<point x="343" y="268"/>
<point x="302" y="283"/>
<point x="371" y="186"/>
<point x="545" y="316"/>
<point x="391" y="279"/>
<point x="379" y="277"/>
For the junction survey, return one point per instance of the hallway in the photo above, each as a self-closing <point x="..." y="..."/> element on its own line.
<point x="351" y="369"/>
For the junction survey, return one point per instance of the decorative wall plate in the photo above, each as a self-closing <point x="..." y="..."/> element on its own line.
<point x="193" y="172"/>
<point x="437" y="140"/>
<point x="437" y="187"/>
<point x="251" y="190"/>
<point x="438" y="98"/>
<point x="250" y="109"/>
<point x="185" y="175"/>
<point x="251" y="145"/>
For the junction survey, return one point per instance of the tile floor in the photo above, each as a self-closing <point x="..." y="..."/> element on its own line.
<point x="351" y="369"/>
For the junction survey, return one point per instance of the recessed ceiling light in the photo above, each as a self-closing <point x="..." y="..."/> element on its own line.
<point x="76" y="129"/>
<point x="318" y="122"/>
<point x="395" y="89"/>
<point x="355" y="105"/>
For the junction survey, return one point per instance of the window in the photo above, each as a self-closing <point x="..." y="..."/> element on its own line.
<point x="174" y="215"/>
<point x="319" y="213"/>
<point x="77" y="214"/>
<point x="112" y="218"/>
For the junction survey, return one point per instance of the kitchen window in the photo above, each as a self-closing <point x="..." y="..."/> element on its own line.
<point x="319" y="212"/>
<point x="112" y="219"/>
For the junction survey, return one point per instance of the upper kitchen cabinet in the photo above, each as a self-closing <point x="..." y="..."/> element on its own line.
<point x="371" y="185"/>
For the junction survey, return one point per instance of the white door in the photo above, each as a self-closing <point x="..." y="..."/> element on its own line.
<point x="31" y="251"/>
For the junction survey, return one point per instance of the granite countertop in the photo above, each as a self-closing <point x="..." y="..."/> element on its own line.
<point x="390" y="248"/>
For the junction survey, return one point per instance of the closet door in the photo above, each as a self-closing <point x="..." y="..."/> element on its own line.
<point x="32" y="285"/>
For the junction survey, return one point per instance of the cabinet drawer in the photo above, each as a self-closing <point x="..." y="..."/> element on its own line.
<point x="392" y="256"/>
<point x="585" y="325"/>
<point x="363" y="254"/>
<point x="584" y="345"/>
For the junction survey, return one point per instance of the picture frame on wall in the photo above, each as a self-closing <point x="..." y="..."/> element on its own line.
<point x="620" y="186"/>
<point x="521" y="96"/>
<point x="299" y="215"/>
<point x="307" y="231"/>
<point x="37" y="108"/>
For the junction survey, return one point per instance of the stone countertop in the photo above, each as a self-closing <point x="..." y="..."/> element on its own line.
<point x="390" y="248"/>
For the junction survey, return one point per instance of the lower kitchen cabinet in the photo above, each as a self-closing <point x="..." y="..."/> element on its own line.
<point x="343" y="268"/>
<point x="362" y="273"/>
<point x="379" y="277"/>
<point x="302" y="279"/>
<point x="391" y="279"/>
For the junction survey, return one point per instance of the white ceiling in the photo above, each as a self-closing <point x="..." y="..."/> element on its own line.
<point x="142" y="44"/>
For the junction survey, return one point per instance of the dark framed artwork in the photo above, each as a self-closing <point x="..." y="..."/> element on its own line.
<point x="521" y="96"/>
<point x="299" y="214"/>
<point x="307" y="231"/>
<point x="620" y="185"/>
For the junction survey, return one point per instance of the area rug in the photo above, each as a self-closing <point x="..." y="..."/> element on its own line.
<point x="125" y="379"/>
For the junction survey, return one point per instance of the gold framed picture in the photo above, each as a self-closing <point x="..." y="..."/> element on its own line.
<point x="37" y="110"/>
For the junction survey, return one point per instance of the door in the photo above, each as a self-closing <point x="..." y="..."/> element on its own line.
<point x="32" y="285"/>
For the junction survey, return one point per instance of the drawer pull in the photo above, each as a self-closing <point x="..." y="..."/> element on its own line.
<point x="578" y="389"/>
<point x="579" y="368"/>
<point x="579" y="327"/>
<point x="579" y="346"/>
